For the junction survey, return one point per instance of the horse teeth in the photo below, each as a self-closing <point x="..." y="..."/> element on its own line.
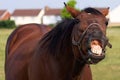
<point x="97" y="50"/>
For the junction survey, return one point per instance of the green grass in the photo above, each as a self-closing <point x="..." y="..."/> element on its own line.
<point x="3" y="38"/>
<point x="108" y="69"/>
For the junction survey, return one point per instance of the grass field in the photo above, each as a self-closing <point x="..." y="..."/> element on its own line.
<point x="3" y="38"/>
<point x="108" y="69"/>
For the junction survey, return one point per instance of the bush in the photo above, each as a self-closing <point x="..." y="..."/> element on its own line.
<point x="7" y="24"/>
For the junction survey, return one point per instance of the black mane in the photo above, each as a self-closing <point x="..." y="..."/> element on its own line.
<point x="59" y="37"/>
<point x="92" y="11"/>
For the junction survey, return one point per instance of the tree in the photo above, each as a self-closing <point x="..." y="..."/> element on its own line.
<point x="65" y="13"/>
<point x="7" y="24"/>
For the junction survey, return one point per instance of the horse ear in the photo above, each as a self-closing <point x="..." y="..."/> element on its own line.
<point x="105" y="11"/>
<point x="72" y="11"/>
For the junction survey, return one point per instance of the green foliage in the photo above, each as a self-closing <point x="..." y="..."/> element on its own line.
<point x="65" y="13"/>
<point x="7" y="24"/>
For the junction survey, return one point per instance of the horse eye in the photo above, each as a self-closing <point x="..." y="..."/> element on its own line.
<point x="106" y="23"/>
<point x="76" y="21"/>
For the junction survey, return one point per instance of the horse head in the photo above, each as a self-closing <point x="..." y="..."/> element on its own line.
<point x="89" y="34"/>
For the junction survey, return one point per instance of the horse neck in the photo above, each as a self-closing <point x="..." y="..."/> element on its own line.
<point x="77" y="69"/>
<point x="82" y="72"/>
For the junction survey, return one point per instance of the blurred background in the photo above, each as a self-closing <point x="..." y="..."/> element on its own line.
<point x="18" y="12"/>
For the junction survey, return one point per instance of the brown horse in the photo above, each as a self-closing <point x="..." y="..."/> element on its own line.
<point x="29" y="34"/>
<point x="27" y="31"/>
<point x="64" y="53"/>
<point x="19" y="49"/>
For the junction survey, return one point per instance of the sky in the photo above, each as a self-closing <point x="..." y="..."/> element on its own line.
<point x="11" y="5"/>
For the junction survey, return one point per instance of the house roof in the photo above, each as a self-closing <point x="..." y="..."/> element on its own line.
<point x="2" y="12"/>
<point x="4" y="15"/>
<point x="26" y="12"/>
<point x="53" y="12"/>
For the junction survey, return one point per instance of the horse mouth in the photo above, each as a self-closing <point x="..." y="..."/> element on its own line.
<point x="96" y="51"/>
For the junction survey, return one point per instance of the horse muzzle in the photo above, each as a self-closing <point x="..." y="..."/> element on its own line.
<point x="97" y="50"/>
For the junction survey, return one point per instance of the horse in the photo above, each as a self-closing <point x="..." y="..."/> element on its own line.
<point x="24" y="34"/>
<point x="28" y="31"/>
<point x="63" y="53"/>
<point x="19" y="49"/>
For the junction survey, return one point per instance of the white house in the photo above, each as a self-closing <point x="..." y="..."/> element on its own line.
<point x="51" y="16"/>
<point x="114" y="16"/>
<point x="24" y="16"/>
